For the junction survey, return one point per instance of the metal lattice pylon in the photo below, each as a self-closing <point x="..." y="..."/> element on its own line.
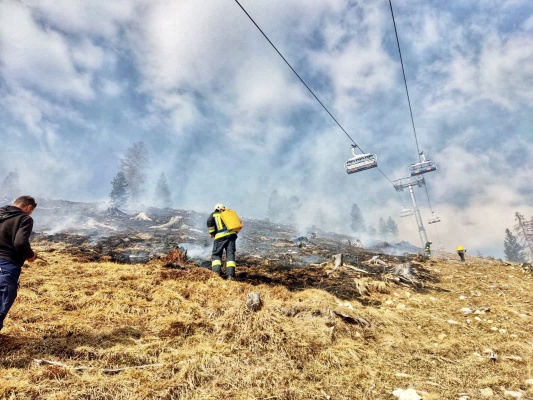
<point x="408" y="183"/>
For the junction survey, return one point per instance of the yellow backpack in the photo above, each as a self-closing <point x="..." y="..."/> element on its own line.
<point x="231" y="220"/>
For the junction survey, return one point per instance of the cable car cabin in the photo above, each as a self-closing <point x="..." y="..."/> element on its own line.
<point x="422" y="168"/>
<point x="360" y="163"/>
<point x="433" y="219"/>
<point x="406" y="212"/>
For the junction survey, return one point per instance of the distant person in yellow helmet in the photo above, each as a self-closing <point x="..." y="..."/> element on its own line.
<point x="461" y="251"/>
<point x="224" y="240"/>
<point x="427" y="249"/>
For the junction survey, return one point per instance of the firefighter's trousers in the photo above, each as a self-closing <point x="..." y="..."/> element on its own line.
<point x="226" y="243"/>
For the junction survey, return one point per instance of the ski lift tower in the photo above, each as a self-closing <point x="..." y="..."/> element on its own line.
<point x="404" y="183"/>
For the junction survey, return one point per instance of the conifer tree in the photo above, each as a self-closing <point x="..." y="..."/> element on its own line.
<point x="383" y="229"/>
<point x="162" y="196"/>
<point x="392" y="227"/>
<point x="119" y="193"/>
<point x="513" y="250"/>
<point x="358" y="222"/>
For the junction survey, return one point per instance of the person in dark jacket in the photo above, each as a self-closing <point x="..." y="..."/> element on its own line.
<point x="224" y="240"/>
<point x="15" y="230"/>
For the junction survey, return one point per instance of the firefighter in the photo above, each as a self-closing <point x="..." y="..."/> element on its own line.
<point x="224" y="240"/>
<point x="461" y="251"/>
<point x="427" y="249"/>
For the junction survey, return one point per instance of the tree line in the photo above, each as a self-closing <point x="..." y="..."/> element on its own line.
<point x="284" y="209"/>
<point x="129" y="184"/>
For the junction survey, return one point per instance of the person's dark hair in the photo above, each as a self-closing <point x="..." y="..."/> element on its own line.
<point x="24" y="201"/>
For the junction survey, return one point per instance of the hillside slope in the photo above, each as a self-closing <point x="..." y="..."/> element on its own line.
<point x="102" y="330"/>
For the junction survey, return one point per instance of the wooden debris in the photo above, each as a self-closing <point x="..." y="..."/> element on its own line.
<point x="357" y="269"/>
<point x="376" y="261"/>
<point x="338" y="261"/>
<point x="361" y="287"/>
<point x="352" y="320"/>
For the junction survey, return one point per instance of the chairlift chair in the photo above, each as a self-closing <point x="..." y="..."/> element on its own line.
<point x="360" y="162"/>
<point x="406" y="212"/>
<point x="433" y="219"/>
<point x="422" y="167"/>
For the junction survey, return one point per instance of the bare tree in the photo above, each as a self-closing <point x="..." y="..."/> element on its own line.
<point x="133" y="165"/>
<point x="524" y="231"/>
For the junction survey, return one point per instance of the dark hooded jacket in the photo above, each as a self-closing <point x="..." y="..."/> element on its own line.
<point x="15" y="231"/>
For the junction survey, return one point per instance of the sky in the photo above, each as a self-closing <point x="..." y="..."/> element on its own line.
<point x="227" y="121"/>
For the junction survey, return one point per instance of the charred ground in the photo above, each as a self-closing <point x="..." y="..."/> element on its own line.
<point x="271" y="253"/>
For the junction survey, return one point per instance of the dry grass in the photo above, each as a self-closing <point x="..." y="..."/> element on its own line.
<point x="149" y="332"/>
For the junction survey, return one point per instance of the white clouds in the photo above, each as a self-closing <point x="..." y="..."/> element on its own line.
<point x="528" y="24"/>
<point x="355" y="59"/>
<point x="36" y="114"/>
<point x="476" y="63"/>
<point x="506" y="70"/>
<point x="111" y="87"/>
<point x="100" y="18"/>
<point x="181" y="44"/>
<point x="88" y="56"/>
<point x="36" y="57"/>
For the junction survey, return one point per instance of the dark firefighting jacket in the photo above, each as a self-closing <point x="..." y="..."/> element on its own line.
<point x="216" y="227"/>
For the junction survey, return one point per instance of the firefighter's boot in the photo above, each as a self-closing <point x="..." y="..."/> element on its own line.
<point x="230" y="273"/>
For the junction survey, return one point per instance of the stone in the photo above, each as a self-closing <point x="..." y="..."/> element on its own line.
<point x="486" y="392"/>
<point x="253" y="301"/>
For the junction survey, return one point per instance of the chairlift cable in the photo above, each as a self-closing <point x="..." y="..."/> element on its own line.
<point x="409" y="103"/>
<point x="405" y="80"/>
<point x="427" y="194"/>
<point x="296" y="73"/>
<point x="437" y="233"/>
<point x="305" y="84"/>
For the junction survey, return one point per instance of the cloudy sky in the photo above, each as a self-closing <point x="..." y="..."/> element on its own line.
<point x="226" y="119"/>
